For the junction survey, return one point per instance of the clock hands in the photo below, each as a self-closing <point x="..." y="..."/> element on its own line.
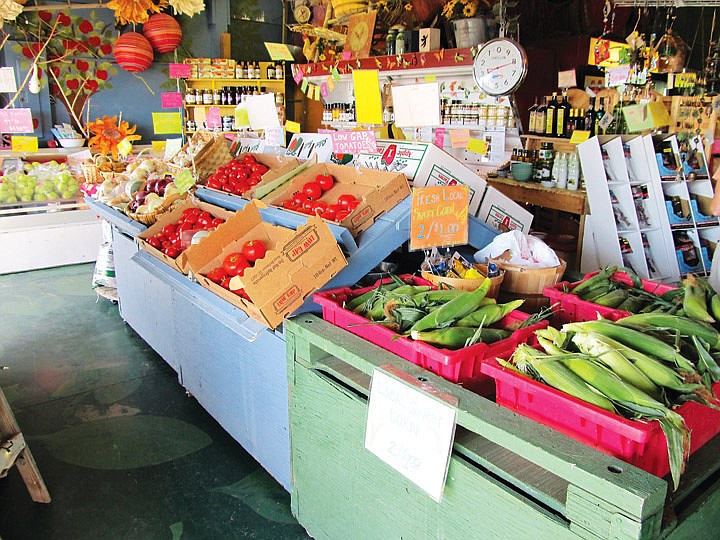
<point x="488" y="70"/>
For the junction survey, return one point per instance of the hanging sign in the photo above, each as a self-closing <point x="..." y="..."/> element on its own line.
<point x="279" y="51"/>
<point x="566" y="79"/>
<point x="440" y="137"/>
<point x="179" y="71"/>
<point x="171" y="100"/>
<point x="212" y="118"/>
<point x="459" y="138"/>
<point x="21" y="143"/>
<point x="167" y="123"/>
<point x="16" y="121"/>
<point x="401" y="420"/>
<point x="617" y="76"/>
<point x="354" y="142"/>
<point x="439" y="216"/>
<point x="477" y="146"/>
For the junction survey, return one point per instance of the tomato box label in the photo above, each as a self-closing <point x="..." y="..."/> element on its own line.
<point x="286" y="298"/>
<point x="298" y="247"/>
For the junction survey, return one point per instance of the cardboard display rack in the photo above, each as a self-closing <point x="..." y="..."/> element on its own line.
<point x="296" y="263"/>
<point x="180" y="263"/>
<point x="377" y="191"/>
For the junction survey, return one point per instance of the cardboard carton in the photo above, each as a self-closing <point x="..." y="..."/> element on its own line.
<point x="377" y="191"/>
<point x="179" y="263"/>
<point x="501" y="212"/>
<point x="296" y="263"/>
<point x="277" y="167"/>
<point x="425" y="165"/>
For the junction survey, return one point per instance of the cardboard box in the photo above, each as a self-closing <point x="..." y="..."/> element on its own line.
<point x="296" y="263"/>
<point x="425" y="165"/>
<point x="277" y="167"/>
<point x="429" y="39"/>
<point x="180" y="263"/>
<point x="502" y="213"/>
<point x="377" y="191"/>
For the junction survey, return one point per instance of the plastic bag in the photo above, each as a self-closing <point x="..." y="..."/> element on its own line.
<point x="104" y="273"/>
<point x="519" y="248"/>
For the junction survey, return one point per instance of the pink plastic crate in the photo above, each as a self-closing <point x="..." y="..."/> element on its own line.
<point x="571" y="308"/>
<point x="639" y="443"/>
<point x="459" y="366"/>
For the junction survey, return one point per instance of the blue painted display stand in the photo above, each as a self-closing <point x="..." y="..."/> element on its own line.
<point x="231" y="364"/>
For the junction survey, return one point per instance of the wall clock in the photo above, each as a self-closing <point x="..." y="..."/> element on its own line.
<point x="500" y="66"/>
<point x="360" y="34"/>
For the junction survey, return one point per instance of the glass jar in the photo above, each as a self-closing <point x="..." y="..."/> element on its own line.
<point x="390" y="42"/>
<point x="400" y="42"/>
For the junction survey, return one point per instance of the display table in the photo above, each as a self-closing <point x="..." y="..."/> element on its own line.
<point x="509" y="477"/>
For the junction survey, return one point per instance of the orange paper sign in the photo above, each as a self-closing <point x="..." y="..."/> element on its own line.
<point x="439" y="216"/>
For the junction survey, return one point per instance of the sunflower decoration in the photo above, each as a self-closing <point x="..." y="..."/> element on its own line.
<point x="464" y="9"/>
<point x="108" y="136"/>
<point x="135" y="11"/>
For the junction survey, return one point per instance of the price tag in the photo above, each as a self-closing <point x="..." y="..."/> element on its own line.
<point x="459" y="138"/>
<point x="401" y="422"/>
<point x="16" y="121"/>
<point x="167" y="122"/>
<point x="579" y="136"/>
<point x="184" y="180"/>
<point x="605" y="121"/>
<point x="179" y="71"/>
<point x="20" y="143"/>
<point x="439" y="216"/>
<point x="171" y="100"/>
<point x="172" y="147"/>
<point x="440" y="137"/>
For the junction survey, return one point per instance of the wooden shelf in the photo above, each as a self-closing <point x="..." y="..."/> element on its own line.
<point x="532" y="142"/>
<point x="236" y="81"/>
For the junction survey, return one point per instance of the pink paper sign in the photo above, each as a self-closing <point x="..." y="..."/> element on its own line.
<point x="179" y="71"/>
<point x="16" y="121"/>
<point x="212" y="119"/>
<point x="298" y="76"/>
<point x="171" y="100"/>
<point x="324" y="89"/>
<point x="440" y="137"/>
<point x="354" y="142"/>
<point x="347" y="55"/>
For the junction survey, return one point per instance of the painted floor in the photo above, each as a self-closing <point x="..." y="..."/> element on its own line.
<point x="125" y="453"/>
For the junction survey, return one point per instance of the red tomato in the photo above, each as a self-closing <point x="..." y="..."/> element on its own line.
<point x="192" y="211"/>
<point x="225" y="282"/>
<point x="216" y="275"/>
<point x="319" y="207"/>
<point x="169" y="229"/>
<point x="254" y="179"/>
<point x="329" y="214"/>
<point x="289" y="204"/>
<point x="204" y="219"/>
<point x="345" y="199"/>
<point x="248" y="158"/>
<point x="253" y="250"/>
<point x="216" y="222"/>
<point x="235" y="264"/>
<point x="352" y="205"/>
<point x="155" y="242"/>
<point x="259" y="168"/>
<point x="185" y="227"/>
<point x="299" y="198"/>
<point x="325" y="181"/>
<point x="342" y="214"/>
<point x="171" y="251"/>
<point x="308" y="205"/>
<point x="312" y="190"/>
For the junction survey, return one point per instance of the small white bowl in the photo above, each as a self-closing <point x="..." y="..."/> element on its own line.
<point x="71" y="143"/>
<point x="548" y="183"/>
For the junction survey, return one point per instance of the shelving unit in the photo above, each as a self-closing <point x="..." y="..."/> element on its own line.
<point x="629" y="224"/>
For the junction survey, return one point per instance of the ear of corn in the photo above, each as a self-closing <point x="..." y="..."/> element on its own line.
<point x="439" y="295"/>
<point x="361" y="299"/>
<point x="613" y="298"/>
<point x="715" y="306"/>
<point x="674" y="323"/>
<point x="694" y="303"/>
<point x="601" y="276"/>
<point x="635" y="339"/>
<point x="706" y="362"/>
<point x="489" y="314"/>
<point x="457" y="337"/>
<point x="453" y="310"/>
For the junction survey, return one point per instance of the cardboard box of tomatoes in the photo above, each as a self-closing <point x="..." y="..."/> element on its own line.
<point x="266" y="270"/>
<point x="171" y="236"/>
<point x="247" y="171"/>
<point x="351" y="197"/>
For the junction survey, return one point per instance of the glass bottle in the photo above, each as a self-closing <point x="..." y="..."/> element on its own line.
<point x="207" y="97"/>
<point x="198" y="96"/>
<point x="239" y="70"/>
<point x="279" y="71"/>
<point x="551" y="116"/>
<point x="270" y="71"/>
<point x="533" y="116"/>
<point x="599" y="114"/>
<point x="561" y="115"/>
<point x="390" y="42"/>
<point x="590" y="118"/>
<point x="400" y="42"/>
<point x="562" y="172"/>
<point x="189" y="96"/>
<point x="257" y="74"/>
<point x="216" y="98"/>
<point x="249" y="70"/>
<point x="540" y="117"/>
<point x="573" y="172"/>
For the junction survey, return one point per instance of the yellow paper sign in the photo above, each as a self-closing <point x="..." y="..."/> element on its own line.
<point x="184" y="180"/>
<point x="368" y="104"/>
<point x="316" y="97"/>
<point x="430" y="78"/>
<point x="167" y="122"/>
<point x="660" y="115"/>
<point x="459" y="138"/>
<point x="242" y="119"/>
<point x="638" y="117"/>
<point x="200" y="114"/>
<point x="124" y="147"/>
<point x="579" y="136"/>
<point x="23" y="143"/>
<point x="292" y="127"/>
<point x="279" y="51"/>
<point x="478" y="146"/>
<point x="439" y="216"/>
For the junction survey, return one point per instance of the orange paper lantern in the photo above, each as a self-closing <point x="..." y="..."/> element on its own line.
<point x="133" y="52"/>
<point x="163" y="32"/>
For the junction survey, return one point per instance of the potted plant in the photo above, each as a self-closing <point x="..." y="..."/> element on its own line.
<point x="469" y="20"/>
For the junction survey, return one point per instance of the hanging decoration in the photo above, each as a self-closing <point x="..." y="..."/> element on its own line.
<point x="9" y="10"/>
<point x="602" y="45"/>
<point x="187" y="7"/>
<point x="163" y="32"/>
<point x="133" y="52"/>
<point x="135" y="11"/>
<point x="107" y="135"/>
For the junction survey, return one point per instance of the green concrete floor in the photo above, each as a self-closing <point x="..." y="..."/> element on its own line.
<point x="125" y="453"/>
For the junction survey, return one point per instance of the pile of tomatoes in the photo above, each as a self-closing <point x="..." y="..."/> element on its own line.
<point x="308" y="200"/>
<point x="170" y="239"/>
<point x="238" y="175"/>
<point x="235" y="264"/>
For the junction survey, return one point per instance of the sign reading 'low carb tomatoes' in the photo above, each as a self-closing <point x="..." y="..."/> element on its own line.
<point x="439" y="216"/>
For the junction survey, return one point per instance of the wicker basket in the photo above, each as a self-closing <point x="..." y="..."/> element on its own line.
<point x="528" y="282"/>
<point x="97" y="170"/>
<point x="468" y="284"/>
<point x="213" y="155"/>
<point x="148" y="218"/>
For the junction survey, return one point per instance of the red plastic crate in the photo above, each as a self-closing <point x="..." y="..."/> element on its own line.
<point x="459" y="366"/>
<point x="571" y="308"/>
<point x="639" y="443"/>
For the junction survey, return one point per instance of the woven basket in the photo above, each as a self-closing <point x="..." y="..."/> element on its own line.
<point x="214" y="155"/>
<point x="96" y="172"/>
<point x="468" y="284"/>
<point x="148" y="218"/>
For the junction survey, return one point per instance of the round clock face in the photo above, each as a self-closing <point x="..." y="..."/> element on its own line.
<point x="359" y="35"/>
<point x="500" y="66"/>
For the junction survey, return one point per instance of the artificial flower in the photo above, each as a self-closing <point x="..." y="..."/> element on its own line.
<point x="464" y="9"/>
<point x="107" y="135"/>
<point x="9" y="10"/>
<point x="187" y="7"/>
<point x="134" y="11"/>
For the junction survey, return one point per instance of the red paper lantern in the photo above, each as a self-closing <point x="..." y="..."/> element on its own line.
<point x="163" y="32"/>
<point x="133" y="52"/>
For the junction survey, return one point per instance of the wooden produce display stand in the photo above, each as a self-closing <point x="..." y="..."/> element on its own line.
<point x="233" y="366"/>
<point x="509" y="477"/>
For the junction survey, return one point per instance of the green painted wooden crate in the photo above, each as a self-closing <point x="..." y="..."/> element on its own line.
<point x="509" y="477"/>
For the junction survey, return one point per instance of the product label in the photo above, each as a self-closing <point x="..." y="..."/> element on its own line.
<point x="299" y="245"/>
<point x="286" y="298"/>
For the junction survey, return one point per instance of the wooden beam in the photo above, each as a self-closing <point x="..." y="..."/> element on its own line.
<point x="59" y="7"/>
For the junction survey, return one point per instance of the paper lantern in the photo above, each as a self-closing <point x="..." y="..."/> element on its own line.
<point x="163" y="32"/>
<point x="133" y="52"/>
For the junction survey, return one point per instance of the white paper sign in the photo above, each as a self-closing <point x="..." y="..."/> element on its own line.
<point x="172" y="147"/>
<point x="410" y="431"/>
<point x="617" y="76"/>
<point x="7" y="80"/>
<point x="416" y="105"/>
<point x="262" y="112"/>
<point x="275" y="136"/>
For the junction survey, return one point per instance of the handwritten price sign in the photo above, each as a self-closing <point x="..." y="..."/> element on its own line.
<point x="439" y="216"/>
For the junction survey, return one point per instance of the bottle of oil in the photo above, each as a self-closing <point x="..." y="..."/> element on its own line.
<point x="533" y="116"/>
<point x="540" y="115"/>
<point x="561" y="115"/>
<point x="551" y="116"/>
